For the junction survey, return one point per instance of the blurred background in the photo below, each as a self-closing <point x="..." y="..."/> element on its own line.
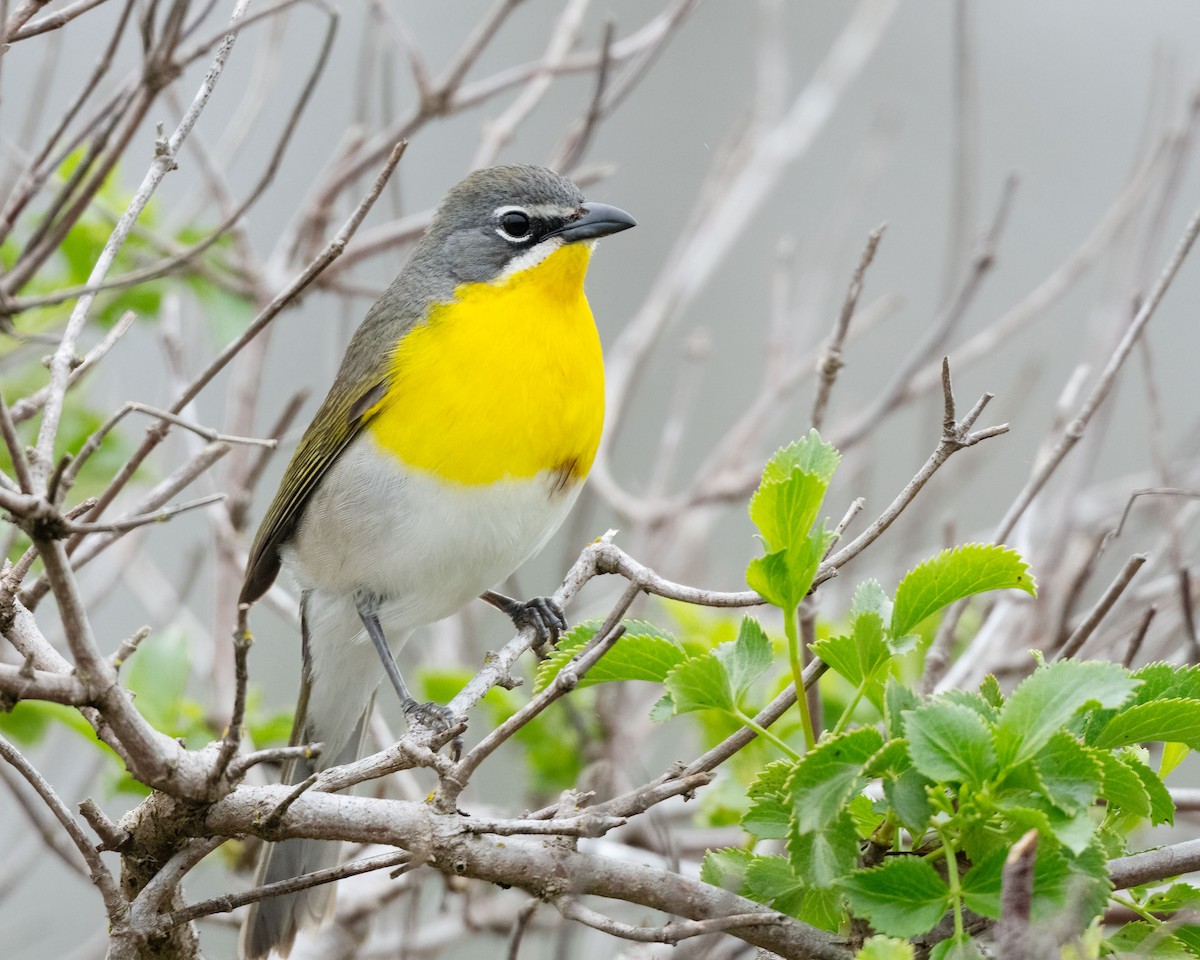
<point x="1032" y="163"/>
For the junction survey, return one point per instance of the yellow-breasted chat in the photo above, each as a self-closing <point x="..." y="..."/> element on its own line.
<point x="456" y="436"/>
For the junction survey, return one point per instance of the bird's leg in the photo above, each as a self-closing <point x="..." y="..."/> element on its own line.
<point x="433" y="715"/>
<point x="542" y="613"/>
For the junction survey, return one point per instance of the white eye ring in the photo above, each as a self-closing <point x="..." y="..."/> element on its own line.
<point x="518" y="217"/>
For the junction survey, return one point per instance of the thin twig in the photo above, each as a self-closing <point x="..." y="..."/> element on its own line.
<point x="1098" y="612"/>
<point x="1016" y="899"/>
<point x="831" y="360"/>
<point x="1074" y="431"/>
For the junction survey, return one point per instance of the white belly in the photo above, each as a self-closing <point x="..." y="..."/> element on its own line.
<point x="422" y="546"/>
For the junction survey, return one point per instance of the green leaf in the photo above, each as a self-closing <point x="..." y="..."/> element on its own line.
<point x="700" y="683"/>
<point x="859" y="655"/>
<point x="989" y="689"/>
<point x="726" y="868"/>
<point x="1147" y="941"/>
<point x="1053" y="881"/>
<point x="642" y="653"/>
<point x="1175" y="720"/>
<point x="898" y="699"/>
<point x="902" y="897"/>
<point x="952" y="949"/>
<point x="950" y="743"/>
<point x="828" y="776"/>
<point x="885" y="948"/>
<point x="954" y="574"/>
<point x="784" y="510"/>
<point x="1178" y="896"/>
<point x="747" y="658"/>
<point x="1070" y="773"/>
<point x="1162" y="807"/>
<point x="823" y="857"/>
<point x="1048" y="698"/>
<point x="784" y="577"/>
<point x="1121" y="787"/>
<point x="869" y="597"/>
<point x="810" y="454"/>
<point x="770" y="876"/>
<point x="908" y="794"/>
<point x="1166" y="681"/>
<point x="769" y="811"/>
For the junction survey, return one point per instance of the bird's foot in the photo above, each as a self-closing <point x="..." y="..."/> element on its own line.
<point x="543" y="614"/>
<point x="435" y="718"/>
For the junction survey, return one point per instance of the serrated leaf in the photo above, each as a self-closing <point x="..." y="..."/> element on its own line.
<point x="810" y="453"/>
<point x="972" y="701"/>
<point x="769" y="876"/>
<point x="1173" y="754"/>
<point x="1175" y="720"/>
<point x="859" y="655"/>
<point x="1071" y="775"/>
<point x="642" y="653"/>
<point x="989" y="689"/>
<point x="1147" y="941"/>
<point x="747" y="658"/>
<point x="699" y="683"/>
<point x="768" y="818"/>
<point x="885" y="948"/>
<point x="1178" y="896"/>
<point x="785" y="509"/>
<point x="825" y="779"/>
<point x="898" y="699"/>
<point x="908" y="794"/>
<point x="769" y="811"/>
<point x="1121" y="786"/>
<point x="870" y="597"/>
<point x="784" y="577"/>
<point x="726" y="868"/>
<point x="902" y="897"/>
<point x="954" y="574"/>
<point x="824" y="856"/>
<point x="1048" y="698"/>
<point x="1166" y="681"/>
<point x="1052" y="879"/>
<point x="950" y="743"/>
<point x="863" y="812"/>
<point x="1162" y="807"/>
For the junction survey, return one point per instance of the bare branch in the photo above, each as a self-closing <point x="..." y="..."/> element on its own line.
<point x="1098" y="612"/>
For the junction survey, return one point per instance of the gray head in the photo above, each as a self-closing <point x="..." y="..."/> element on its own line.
<point x="499" y="214"/>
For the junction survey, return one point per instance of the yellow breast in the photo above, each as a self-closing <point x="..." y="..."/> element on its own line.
<point x="506" y="380"/>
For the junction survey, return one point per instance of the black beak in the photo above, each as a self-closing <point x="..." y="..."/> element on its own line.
<point x="598" y="220"/>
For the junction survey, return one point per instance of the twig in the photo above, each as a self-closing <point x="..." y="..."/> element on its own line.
<point x="143" y="911"/>
<point x="112" y="836"/>
<point x="128" y="647"/>
<point x="1135" y="642"/>
<point x="1098" y="612"/>
<point x="1152" y="865"/>
<point x="524" y="915"/>
<point x="16" y="452"/>
<point x="125" y="524"/>
<point x="956" y="435"/>
<point x="672" y="933"/>
<point x="831" y="360"/>
<point x="284" y="298"/>
<point x="232" y="901"/>
<point x="52" y="21"/>
<point x="242" y="641"/>
<point x="936" y="335"/>
<point x="164" y="162"/>
<point x="1074" y="431"/>
<point x="567" y="679"/>
<point x="26" y="407"/>
<point x="114" y="903"/>
<point x="1016" y="898"/>
<point x="1189" y="616"/>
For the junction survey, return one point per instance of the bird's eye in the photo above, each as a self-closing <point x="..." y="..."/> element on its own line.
<point x="515" y="225"/>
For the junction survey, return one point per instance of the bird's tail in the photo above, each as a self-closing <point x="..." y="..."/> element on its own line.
<point x="337" y="687"/>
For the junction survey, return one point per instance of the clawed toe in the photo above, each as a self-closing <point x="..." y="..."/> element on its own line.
<point x="436" y="718"/>
<point x="543" y="615"/>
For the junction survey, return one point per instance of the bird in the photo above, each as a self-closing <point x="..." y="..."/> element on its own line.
<point x="456" y="436"/>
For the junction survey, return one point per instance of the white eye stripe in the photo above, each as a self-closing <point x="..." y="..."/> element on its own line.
<point x="544" y="211"/>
